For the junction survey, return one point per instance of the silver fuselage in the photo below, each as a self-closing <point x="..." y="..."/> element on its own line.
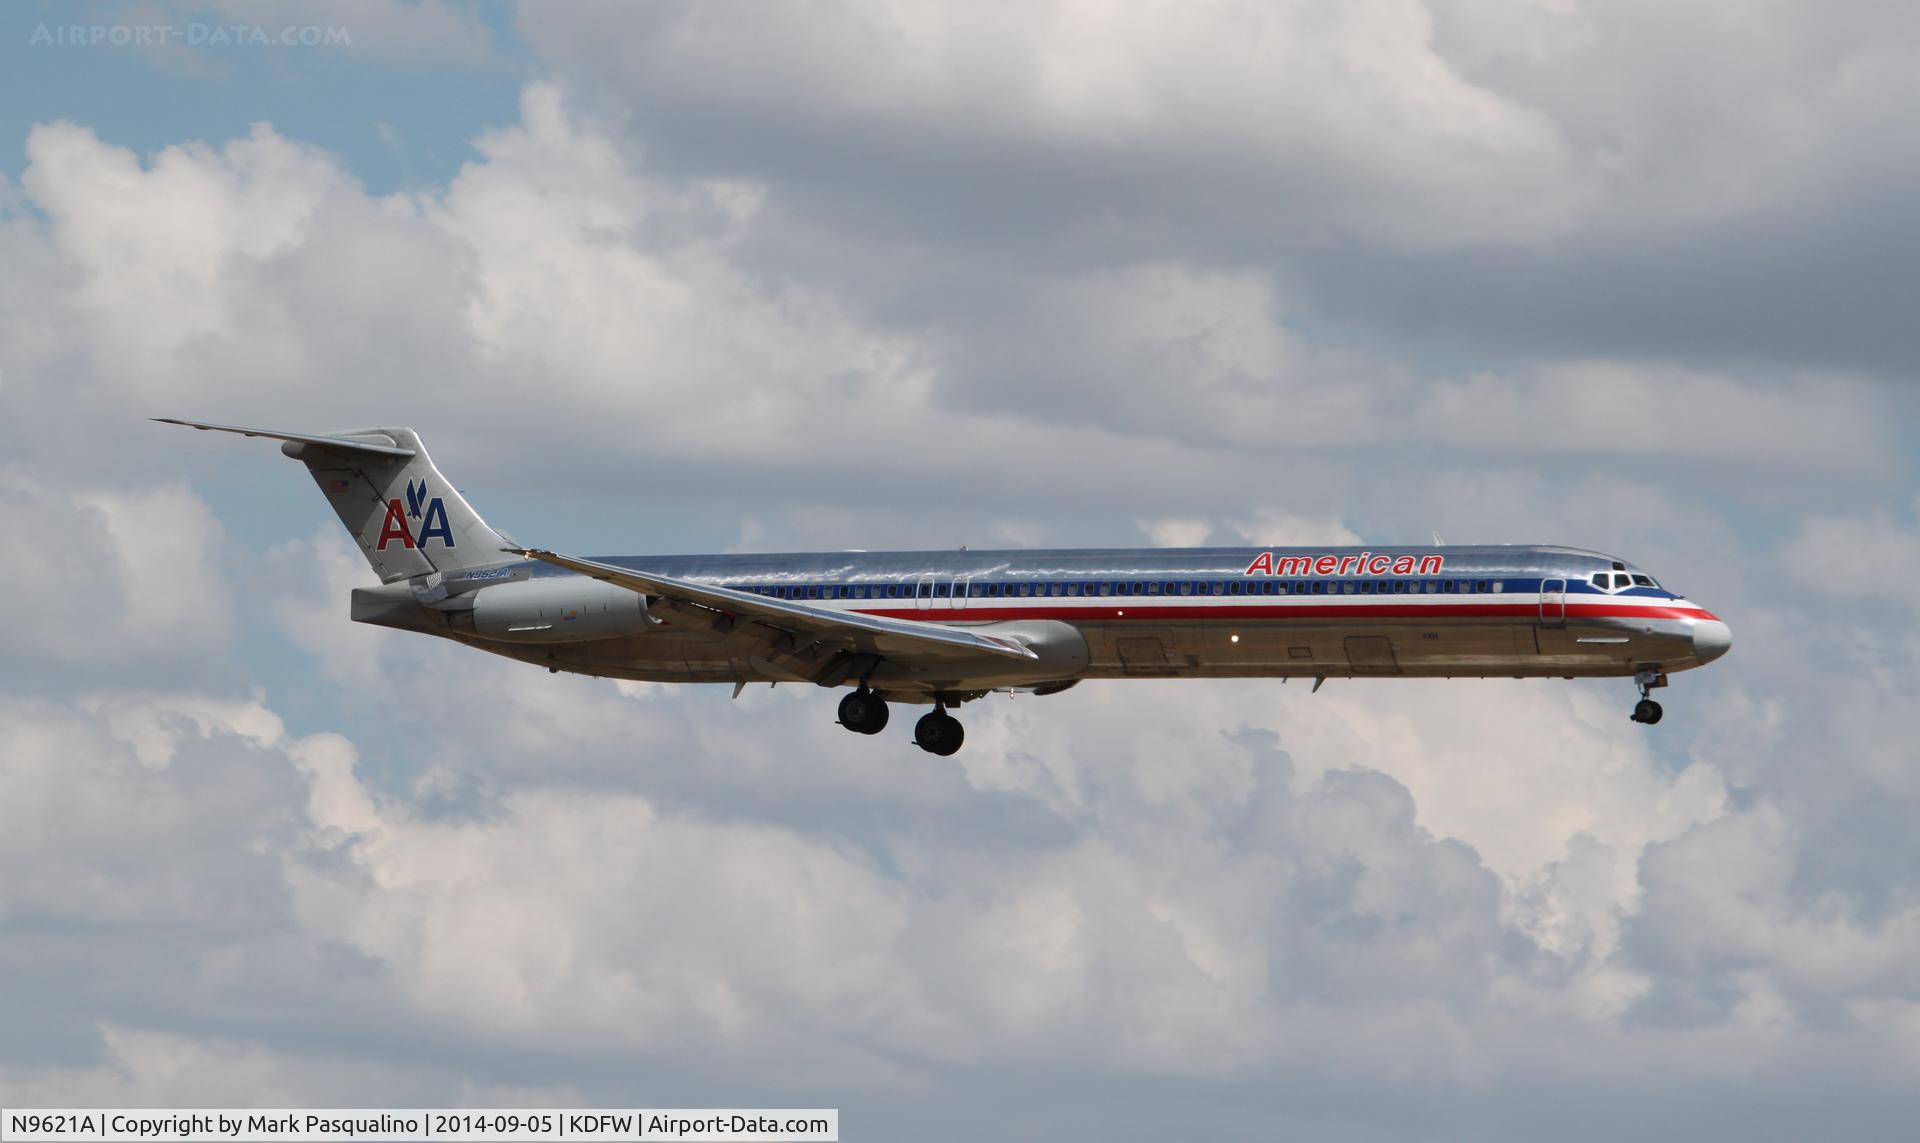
<point x="1113" y="613"/>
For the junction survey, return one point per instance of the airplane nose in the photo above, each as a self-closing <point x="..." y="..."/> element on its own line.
<point x="1711" y="638"/>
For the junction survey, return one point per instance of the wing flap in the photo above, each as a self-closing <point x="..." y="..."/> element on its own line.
<point x="873" y="634"/>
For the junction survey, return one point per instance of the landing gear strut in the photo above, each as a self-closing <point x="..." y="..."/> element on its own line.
<point x="939" y="733"/>
<point x="863" y="712"/>
<point x="1646" y="710"/>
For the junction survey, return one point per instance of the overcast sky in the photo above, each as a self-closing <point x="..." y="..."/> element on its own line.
<point x="651" y="278"/>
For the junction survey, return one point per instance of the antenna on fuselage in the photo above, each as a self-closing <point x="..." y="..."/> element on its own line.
<point x="1437" y="541"/>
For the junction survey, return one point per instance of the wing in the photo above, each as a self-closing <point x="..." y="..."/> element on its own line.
<point x="796" y="628"/>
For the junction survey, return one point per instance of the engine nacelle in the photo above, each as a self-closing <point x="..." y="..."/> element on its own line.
<point x="558" y="609"/>
<point x="1062" y="650"/>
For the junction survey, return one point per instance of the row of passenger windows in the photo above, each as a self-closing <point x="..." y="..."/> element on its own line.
<point x="946" y="589"/>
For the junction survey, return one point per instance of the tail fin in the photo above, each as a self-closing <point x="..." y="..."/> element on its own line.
<point x="407" y="519"/>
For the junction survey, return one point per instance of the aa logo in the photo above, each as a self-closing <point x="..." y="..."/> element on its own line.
<point x="432" y="514"/>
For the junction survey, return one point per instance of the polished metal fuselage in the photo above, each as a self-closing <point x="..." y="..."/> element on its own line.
<point x="1174" y="613"/>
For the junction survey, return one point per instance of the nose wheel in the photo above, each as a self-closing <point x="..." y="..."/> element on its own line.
<point x="1647" y="711"/>
<point x="863" y="712"/>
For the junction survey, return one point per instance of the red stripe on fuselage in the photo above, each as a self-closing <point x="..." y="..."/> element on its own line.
<point x="1131" y="611"/>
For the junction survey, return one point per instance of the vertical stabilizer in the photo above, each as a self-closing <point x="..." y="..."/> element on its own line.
<point x="406" y="517"/>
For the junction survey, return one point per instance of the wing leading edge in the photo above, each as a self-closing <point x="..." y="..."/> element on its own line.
<point x="835" y="630"/>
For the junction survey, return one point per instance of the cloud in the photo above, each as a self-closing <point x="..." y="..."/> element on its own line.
<point x="878" y="277"/>
<point x="121" y="580"/>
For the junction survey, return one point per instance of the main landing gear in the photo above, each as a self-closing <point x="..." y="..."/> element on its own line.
<point x="864" y="712"/>
<point x="1646" y="710"/>
<point x="939" y="732"/>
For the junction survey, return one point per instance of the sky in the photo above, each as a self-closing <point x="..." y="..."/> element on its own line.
<point x="1632" y="276"/>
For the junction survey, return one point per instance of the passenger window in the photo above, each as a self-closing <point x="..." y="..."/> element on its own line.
<point x="1073" y="589"/>
<point x="1414" y="587"/>
<point x="1268" y="587"/>
<point x="1483" y="587"/>
<point x="1279" y="589"/>
<point x="1106" y="589"/>
<point x="1499" y="585"/>
<point x="1153" y="588"/>
<point x="1319" y="587"/>
<point x="1366" y="587"/>
<point x="1347" y="587"/>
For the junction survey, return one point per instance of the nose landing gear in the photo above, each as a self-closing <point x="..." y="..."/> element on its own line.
<point x="1646" y="710"/>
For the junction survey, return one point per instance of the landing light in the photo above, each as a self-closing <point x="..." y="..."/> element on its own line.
<point x="1233" y="638"/>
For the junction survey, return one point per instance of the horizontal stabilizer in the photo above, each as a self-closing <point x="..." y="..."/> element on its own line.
<point x="370" y="444"/>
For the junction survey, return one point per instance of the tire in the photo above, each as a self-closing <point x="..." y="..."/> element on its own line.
<point x="939" y="733"/>
<point x="863" y="712"/>
<point x="1647" y="711"/>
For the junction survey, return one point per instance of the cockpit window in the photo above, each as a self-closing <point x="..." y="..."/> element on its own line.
<point x="1644" y="581"/>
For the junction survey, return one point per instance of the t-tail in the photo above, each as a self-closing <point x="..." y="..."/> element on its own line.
<point x="408" y="520"/>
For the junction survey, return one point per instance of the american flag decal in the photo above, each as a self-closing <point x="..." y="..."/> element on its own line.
<point x="336" y="486"/>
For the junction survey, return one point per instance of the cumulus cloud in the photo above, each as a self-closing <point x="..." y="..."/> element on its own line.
<point x="879" y="276"/>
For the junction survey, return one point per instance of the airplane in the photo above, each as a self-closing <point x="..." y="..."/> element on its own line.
<point x="944" y="628"/>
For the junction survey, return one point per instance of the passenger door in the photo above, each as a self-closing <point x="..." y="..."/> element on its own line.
<point x="1553" y="602"/>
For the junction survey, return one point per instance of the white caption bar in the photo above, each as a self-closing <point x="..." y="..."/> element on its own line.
<point x="306" y="1125"/>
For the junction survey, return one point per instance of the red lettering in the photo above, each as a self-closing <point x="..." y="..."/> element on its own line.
<point x="1403" y="565"/>
<point x="1377" y="565"/>
<point x="1324" y="565"/>
<point x="395" y="527"/>
<point x="1430" y="565"/>
<point x="1347" y="562"/>
<point x="1262" y="564"/>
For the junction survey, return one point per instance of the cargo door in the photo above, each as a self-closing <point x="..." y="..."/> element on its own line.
<point x="1143" y="654"/>
<point x="1371" y="655"/>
